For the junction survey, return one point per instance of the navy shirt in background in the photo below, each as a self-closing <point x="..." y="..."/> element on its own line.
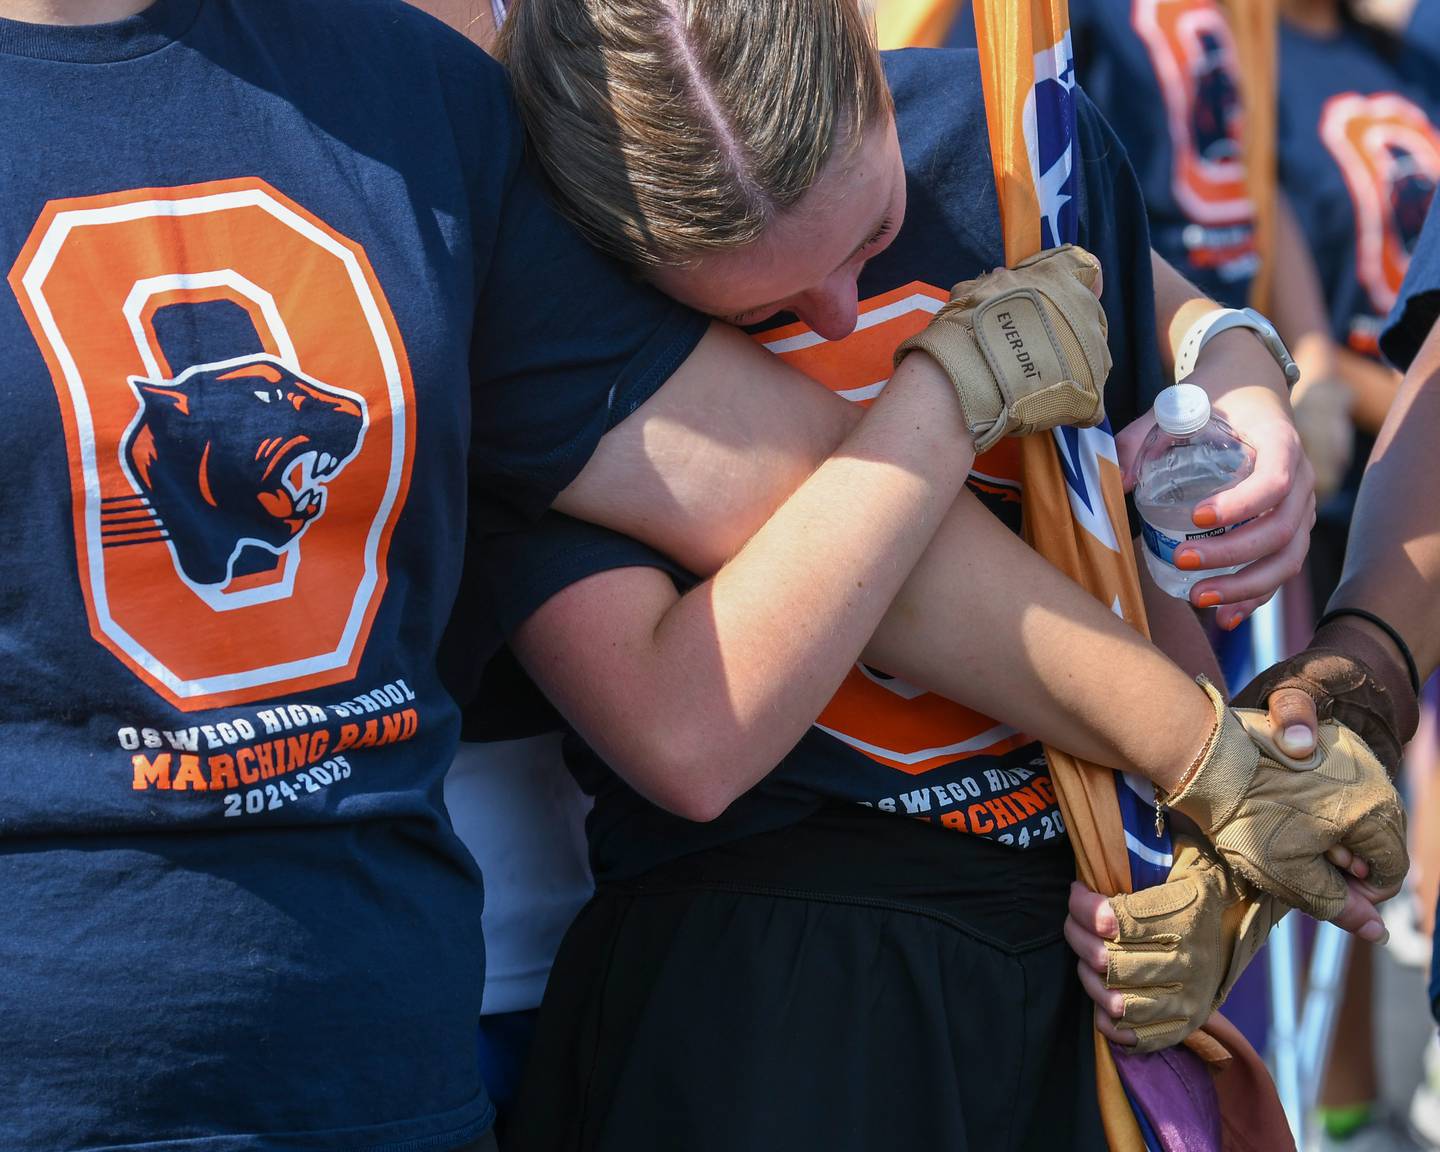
<point x="1418" y="306"/>
<point x="1164" y="74"/>
<point x="881" y="742"/>
<point x="1422" y="32"/>
<point x="284" y="309"/>
<point x="1359" y="160"/>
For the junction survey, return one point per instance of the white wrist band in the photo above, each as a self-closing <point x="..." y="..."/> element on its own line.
<point x="1220" y="320"/>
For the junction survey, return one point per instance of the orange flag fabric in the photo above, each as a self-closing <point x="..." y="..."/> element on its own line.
<point x="914" y="23"/>
<point x="1075" y="516"/>
<point x="1024" y="45"/>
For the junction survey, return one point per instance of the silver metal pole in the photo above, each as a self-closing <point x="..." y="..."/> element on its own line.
<point x="1284" y="967"/>
<point x="1285" y="964"/>
<point x="1328" y="963"/>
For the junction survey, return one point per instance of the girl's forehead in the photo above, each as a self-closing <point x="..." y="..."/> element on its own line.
<point x="854" y="197"/>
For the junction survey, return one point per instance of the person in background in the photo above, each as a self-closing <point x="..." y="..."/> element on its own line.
<point x="1359" y="160"/>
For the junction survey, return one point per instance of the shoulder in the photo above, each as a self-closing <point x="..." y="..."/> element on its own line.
<point x="927" y="78"/>
<point x="384" y="61"/>
<point x="1098" y="141"/>
<point x="375" y="42"/>
<point x="940" y="111"/>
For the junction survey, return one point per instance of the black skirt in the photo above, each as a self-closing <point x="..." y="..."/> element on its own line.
<point x="859" y="981"/>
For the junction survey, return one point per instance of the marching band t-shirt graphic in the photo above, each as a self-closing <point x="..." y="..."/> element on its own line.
<point x="1193" y="54"/>
<point x="1359" y="161"/>
<point x="1389" y="154"/>
<point x="238" y="416"/>
<point x="1165" y="75"/>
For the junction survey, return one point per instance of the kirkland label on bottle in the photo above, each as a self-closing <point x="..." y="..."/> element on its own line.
<point x="1164" y="546"/>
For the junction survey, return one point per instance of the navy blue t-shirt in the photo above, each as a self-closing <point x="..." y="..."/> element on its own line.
<point x="1164" y="73"/>
<point x="1422" y="31"/>
<point x="1418" y="306"/>
<point x="284" y="305"/>
<point x="882" y="742"/>
<point x="1359" y="161"/>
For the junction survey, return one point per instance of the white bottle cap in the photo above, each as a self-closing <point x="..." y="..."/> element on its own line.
<point x="1182" y="409"/>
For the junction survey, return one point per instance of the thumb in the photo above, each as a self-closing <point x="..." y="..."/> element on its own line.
<point x="1093" y="912"/>
<point x="1128" y="442"/>
<point x="1293" y="722"/>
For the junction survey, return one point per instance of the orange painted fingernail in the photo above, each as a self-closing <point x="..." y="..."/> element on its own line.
<point x="1205" y="517"/>
<point x="1208" y="599"/>
<point x="1188" y="560"/>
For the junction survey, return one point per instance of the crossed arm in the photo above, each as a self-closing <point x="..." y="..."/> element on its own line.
<point x="669" y="687"/>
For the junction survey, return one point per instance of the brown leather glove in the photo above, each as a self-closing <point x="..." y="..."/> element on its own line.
<point x="1272" y="818"/>
<point x="1183" y="944"/>
<point x="1024" y="346"/>
<point x="1354" y="681"/>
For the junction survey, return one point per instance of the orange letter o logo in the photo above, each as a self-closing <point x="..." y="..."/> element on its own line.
<point x="231" y="517"/>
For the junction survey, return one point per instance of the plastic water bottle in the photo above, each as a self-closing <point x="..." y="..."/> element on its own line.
<point x="1189" y="455"/>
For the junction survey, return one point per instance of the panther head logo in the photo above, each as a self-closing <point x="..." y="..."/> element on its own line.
<point x="237" y="454"/>
<point x="1216" y="113"/>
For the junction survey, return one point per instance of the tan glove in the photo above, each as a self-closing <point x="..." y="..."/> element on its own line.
<point x="1273" y="818"/>
<point x="1024" y="346"/>
<point x="1183" y="944"/>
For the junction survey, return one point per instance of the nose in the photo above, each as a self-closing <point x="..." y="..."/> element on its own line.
<point x="832" y="307"/>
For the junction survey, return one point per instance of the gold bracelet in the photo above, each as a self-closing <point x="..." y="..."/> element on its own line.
<point x="1218" y="703"/>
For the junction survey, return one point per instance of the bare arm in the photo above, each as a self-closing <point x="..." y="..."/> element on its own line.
<point x="694" y="473"/>
<point x="1392" y="564"/>
<point x="693" y="715"/>
<point x="706" y="461"/>
<point x="1175" y="628"/>
<point x="732" y="673"/>
<point x="1301" y="318"/>
<point x="983" y="620"/>
<point x="1373" y="388"/>
<point x="1322" y="397"/>
<point x="1392" y="569"/>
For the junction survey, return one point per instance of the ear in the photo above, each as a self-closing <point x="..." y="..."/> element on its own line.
<point x="156" y="395"/>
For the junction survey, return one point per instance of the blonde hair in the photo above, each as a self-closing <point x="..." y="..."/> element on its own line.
<point x="673" y="128"/>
